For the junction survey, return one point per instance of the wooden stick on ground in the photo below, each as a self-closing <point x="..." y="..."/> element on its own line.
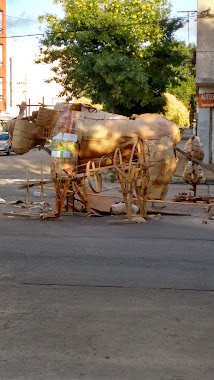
<point x="42" y="184"/>
<point x="35" y="183"/>
<point x="62" y="192"/>
<point x="27" y="190"/>
<point x="153" y="201"/>
<point x="193" y="159"/>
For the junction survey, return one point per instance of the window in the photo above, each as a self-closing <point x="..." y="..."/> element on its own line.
<point x="4" y="136"/>
<point x="1" y="55"/>
<point x="1" y="21"/>
<point x="1" y="88"/>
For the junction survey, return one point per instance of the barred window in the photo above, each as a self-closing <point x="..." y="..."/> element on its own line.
<point x="1" y="21"/>
<point x="1" y="55"/>
<point x="1" y="88"/>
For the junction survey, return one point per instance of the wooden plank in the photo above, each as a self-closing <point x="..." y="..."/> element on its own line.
<point x="181" y="203"/>
<point x="167" y="212"/>
<point x="154" y="200"/>
<point x="42" y="182"/>
<point x="121" y="221"/>
<point x="36" y="183"/>
<point x="104" y="195"/>
<point x="194" y="159"/>
<point x="186" y="198"/>
<point x="27" y="190"/>
<point x="74" y="213"/>
<point x="22" y="215"/>
<point x="48" y="215"/>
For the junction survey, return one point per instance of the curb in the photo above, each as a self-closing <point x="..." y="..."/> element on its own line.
<point x="209" y="181"/>
<point x="205" y="181"/>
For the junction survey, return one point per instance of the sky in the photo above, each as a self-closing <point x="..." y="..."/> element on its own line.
<point x="28" y="78"/>
<point x="188" y="33"/>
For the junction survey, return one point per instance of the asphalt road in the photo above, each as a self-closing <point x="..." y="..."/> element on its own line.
<point x="81" y="299"/>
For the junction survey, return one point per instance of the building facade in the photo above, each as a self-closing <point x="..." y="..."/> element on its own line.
<point x="205" y="77"/>
<point x="3" y="84"/>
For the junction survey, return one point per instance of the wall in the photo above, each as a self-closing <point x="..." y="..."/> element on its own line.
<point x="205" y="75"/>
<point x="205" y="43"/>
<point x="3" y="55"/>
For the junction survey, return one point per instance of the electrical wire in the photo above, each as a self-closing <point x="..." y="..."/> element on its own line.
<point x="24" y="35"/>
<point x="70" y="31"/>
<point x="80" y="30"/>
<point x="21" y="18"/>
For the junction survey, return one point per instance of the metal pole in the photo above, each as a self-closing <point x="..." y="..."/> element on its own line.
<point x="188" y="27"/>
<point x="25" y="88"/>
<point x="188" y="19"/>
<point x="11" y="82"/>
<point x="28" y="113"/>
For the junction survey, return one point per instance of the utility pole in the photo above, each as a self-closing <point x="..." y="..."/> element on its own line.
<point x="25" y="87"/>
<point x="188" y="18"/>
<point x="11" y="81"/>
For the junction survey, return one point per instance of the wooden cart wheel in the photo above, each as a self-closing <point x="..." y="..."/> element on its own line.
<point x="138" y="162"/>
<point x="118" y="159"/>
<point x="94" y="177"/>
<point x="118" y="164"/>
<point x="137" y="154"/>
<point x="103" y="159"/>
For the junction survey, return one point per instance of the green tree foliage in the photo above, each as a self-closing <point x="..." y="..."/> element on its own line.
<point x="176" y="111"/>
<point x="185" y="88"/>
<point x="120" y="53"/>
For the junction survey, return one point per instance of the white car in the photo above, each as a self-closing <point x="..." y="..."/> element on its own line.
<point x="5" y="143"/>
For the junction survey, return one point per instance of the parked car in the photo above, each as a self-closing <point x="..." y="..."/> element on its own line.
<point x="5" y="143"/>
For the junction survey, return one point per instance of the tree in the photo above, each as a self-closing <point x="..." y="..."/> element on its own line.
<point x="120" y="53"/>
<point x="176" y="111"/>
<point x="185" y="88"/>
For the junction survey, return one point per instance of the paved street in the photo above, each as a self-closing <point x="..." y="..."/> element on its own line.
<point x="81" y="299"/>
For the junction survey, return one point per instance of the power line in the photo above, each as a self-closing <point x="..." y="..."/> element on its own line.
<point x="85" y="30"/>
<point x="75" y="31"/>
<point x="25" y="35"/>
<point x="21" y="18"/>
<point x="188" y="18"/>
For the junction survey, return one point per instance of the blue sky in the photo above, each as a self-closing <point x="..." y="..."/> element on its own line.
<point x="184" y="5"/>
<point x="22" y="15"/>
<point x="28" y="78"/>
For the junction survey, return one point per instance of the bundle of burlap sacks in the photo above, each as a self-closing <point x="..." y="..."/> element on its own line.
<point x="193" y="173"/>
